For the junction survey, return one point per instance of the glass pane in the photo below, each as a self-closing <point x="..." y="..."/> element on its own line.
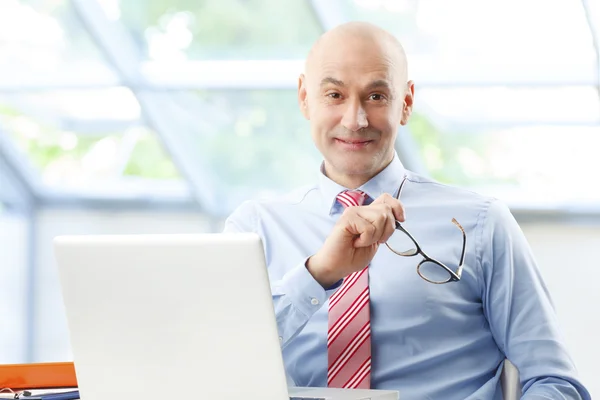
<point x="14" y="278"/>
<point x="86" y="139"/>
<point x="12" y="195"/>
<point x="476" y="40"/>
<point x="434" y="272"/>
<point x="533" y="164"/>
<point x="43" y="37"/>
<point x="247" y="143"/>
<point x="175" y="30"/>
<point x="505" y="105"/>
<point x="593" y="7"/>
<point x="402" y="244"/>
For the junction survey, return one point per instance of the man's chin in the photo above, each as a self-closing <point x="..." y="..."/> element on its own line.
<point x="363" y="165"/>
<point x="357" y="168"/>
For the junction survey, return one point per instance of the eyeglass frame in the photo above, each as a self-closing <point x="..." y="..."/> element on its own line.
<point x="454" y="276"/>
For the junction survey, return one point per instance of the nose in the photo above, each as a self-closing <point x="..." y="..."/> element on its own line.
<point x="355" y="116"/>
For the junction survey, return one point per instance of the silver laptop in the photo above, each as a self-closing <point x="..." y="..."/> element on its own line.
<point x="176" y="315"/>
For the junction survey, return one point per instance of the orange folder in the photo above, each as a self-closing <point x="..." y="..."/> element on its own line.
<point x="37" y="376"/>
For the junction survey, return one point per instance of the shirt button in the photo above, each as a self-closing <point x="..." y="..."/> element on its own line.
<point x="314" y="301"/>
<point x="280" y="339"/>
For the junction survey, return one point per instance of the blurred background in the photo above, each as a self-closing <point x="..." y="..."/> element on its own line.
<point x="161" y="116"/>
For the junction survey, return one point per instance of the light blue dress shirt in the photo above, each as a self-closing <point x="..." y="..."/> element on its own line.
<point x="428" y="341"/>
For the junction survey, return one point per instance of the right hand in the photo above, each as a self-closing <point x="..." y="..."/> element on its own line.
<point x="354" y="240"/>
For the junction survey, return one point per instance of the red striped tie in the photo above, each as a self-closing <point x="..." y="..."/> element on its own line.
<point x="349" y="334"/>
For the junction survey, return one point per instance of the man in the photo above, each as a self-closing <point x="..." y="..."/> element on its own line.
<point x="353" y="313"/>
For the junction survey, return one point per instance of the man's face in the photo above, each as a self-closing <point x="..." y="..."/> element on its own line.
<point x="355" y="96"/>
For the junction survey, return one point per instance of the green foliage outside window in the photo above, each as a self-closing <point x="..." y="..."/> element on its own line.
<point x="224" y="29"/>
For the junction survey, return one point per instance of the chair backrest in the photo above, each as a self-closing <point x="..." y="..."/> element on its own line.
<point x="511" y="385"/>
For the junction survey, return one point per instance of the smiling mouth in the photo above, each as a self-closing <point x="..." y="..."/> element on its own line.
<point x="353" y="145"/>
<point x="353" y="142"/>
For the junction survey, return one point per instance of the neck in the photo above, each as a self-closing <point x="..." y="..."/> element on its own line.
<point x="352" y="181"/>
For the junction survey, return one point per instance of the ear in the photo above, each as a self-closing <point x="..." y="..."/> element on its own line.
<point x="409" y="98"/>
<point x="302" y="96"/>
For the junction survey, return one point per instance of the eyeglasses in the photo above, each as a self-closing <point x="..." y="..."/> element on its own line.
<point x="430" y="269"/>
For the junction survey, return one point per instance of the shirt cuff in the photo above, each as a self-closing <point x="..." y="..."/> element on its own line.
<point x="304" y="292"/>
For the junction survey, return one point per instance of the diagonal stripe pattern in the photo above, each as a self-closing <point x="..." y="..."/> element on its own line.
<point x="349" y="333"/>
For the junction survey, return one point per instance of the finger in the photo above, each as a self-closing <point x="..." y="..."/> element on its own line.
<point x="369" y="237"/>
<point x="397" y="207"/>
<point x="390" y="228"/>
<point x="356" y="225"/>
<point x="380" y="216"/>
<point x="387" y="226"/>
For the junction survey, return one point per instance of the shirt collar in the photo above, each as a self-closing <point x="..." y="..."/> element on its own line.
<point x="387" y="181"/>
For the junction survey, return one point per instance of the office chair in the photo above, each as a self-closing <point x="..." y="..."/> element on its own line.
<point x="511" y="385"/>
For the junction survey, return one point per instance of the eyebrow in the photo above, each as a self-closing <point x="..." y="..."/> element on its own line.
<point x="331" y="80"/>
<point x="376" y="84"/>
<point x="380" y="83"/>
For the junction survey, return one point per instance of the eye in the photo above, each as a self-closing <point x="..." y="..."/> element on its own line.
<point x="334" y="95"/>
<point x="377" y="97"/>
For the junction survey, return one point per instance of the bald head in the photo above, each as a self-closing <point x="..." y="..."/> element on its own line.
<point x="355" y="94"/>
<point x="353" y="38"/>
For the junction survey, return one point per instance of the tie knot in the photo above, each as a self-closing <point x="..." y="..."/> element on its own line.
<point x="351" y="198"/>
